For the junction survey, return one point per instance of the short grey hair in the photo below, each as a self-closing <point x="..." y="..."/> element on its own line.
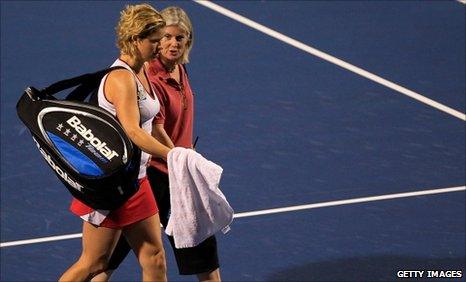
<point x="177" y="16"/>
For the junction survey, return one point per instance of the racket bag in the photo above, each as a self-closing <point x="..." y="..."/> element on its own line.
<point x="84" y="145"/>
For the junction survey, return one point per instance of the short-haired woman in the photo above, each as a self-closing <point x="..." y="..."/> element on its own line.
<point x="128" y="95"/>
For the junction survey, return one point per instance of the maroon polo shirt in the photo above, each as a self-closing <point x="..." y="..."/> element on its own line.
<point x="176" y="107"/>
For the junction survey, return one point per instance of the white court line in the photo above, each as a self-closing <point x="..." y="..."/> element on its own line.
<point x="272" y="211"/>
<point x="330" y="58"/>
<point x="352" y="201"/>
<point x="41" y="240"/>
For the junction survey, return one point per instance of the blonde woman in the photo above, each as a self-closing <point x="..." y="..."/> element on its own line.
<point x="128" y="95"/>
<point x="173" y="126"/>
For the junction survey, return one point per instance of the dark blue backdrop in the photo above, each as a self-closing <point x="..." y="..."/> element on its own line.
<point x="287" y="127"/>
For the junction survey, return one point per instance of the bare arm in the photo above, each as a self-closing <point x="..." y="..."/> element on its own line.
<point x="158" y="131"/>
<point x="120" y="90"/>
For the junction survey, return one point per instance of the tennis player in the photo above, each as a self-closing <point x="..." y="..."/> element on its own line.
<point x="128" y="95"/>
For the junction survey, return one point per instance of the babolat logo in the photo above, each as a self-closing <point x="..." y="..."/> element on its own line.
<point x="87" y="134"/>
<point x="57" y="169"/>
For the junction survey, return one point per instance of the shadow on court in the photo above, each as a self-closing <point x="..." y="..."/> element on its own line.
<point x="371" y="268"/>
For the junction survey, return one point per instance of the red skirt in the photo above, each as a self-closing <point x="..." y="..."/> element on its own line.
<point x="140" y="206"/>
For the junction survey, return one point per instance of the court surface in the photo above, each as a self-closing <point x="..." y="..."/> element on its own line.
<point x="339" y="124"/>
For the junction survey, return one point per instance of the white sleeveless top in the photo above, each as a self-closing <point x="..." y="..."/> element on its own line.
<point x="148" y="108"/>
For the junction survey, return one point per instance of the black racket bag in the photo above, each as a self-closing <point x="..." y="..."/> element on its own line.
<point x="85" y="145"/>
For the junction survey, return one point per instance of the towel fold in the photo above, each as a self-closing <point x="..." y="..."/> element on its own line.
<point x="198" y="208"/>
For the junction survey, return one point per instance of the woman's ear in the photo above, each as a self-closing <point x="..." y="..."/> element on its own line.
<point x="135" y="39"/>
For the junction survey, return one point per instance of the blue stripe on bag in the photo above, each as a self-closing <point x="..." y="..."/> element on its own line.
<point x="82" y="163"/>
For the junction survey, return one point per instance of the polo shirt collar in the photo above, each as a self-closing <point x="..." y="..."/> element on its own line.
<point x="156" y="67"/>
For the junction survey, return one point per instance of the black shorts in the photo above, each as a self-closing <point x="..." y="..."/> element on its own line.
<point x="199" y="259"/>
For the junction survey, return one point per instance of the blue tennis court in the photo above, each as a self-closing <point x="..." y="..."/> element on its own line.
<point x="340" y="126"/>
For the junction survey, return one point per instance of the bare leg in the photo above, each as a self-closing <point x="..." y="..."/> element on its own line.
<point x="98" y="244"/>
<point x="202" y="277"/>
<point x="210" y="276"/>
<point x="145" y="239"/>
<point x="103" y="276"/>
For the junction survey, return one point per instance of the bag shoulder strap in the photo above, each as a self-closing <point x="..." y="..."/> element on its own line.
<point x="87" y="82"/>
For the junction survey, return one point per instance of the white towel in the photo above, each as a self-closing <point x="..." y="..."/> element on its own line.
<point x="198" y="207"/>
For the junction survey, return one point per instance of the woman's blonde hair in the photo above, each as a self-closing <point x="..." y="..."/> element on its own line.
<point x="136" y="22"/>
<point x="177" y="16"/>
